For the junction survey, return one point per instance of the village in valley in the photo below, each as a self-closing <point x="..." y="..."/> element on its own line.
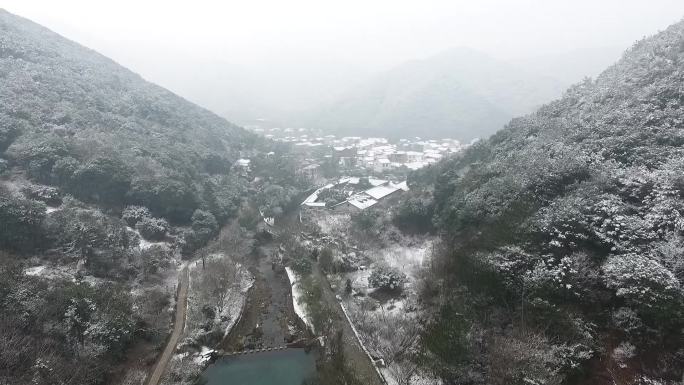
<point x="372" y="269"/>
<point x="356" y="173"/>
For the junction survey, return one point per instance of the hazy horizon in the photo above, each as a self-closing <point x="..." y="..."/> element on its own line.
<point x="360" y="192"/>
<point x="261" y="59"/>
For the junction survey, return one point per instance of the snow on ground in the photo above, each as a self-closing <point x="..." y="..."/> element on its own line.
<point x="332" y="223"/>
<point x="407" y="259"/>
<point x="13" y="186"/>
<point x="145" y="244"/>
<point x="51" y="272"/>
<point x="35" y="271"/>
<point x="234" y="302"/>
<point x="203" y="356"/>
<point x="190" y="362"/>
<point x="297" y="303"/>
<point x="378" y="318"/>
<point x="50" y="209"/>
<point x="419" y="378"/>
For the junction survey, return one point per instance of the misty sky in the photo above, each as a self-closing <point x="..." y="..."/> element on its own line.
<point x="166" y="41"/>
<point x="362" y="32"/>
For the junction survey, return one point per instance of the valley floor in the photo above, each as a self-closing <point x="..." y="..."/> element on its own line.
<point x="387" y="324"/>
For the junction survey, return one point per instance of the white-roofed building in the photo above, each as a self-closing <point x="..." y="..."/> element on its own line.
<point x="380" y="192"/>
<point x="382" y="164"/>
<point x="401" y="186"/>
<point x="361" y="201"/>
<point x="243" y="165"/>
<point x="376" y="182"/>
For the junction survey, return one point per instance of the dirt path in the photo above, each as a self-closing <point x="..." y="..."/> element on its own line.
<point x="178" y="326"/>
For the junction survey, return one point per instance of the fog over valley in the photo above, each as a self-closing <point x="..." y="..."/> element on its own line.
<point x="289" y="63"/>
<point x="352" y="193"/>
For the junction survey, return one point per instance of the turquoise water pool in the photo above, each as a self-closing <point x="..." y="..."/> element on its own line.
<point x="284" y="367"/>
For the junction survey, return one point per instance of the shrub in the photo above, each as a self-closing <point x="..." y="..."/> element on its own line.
<point x="448" y="336"/>
<point x="415" y="213"/>
<point x="643" y="282"/>
<point x="387" y="278"/>
<point x="8" y="131"/>
<point x="134" y="214"/>
<point x="21" y="221"/>
<point x="627" y="320"/>
<point x="364" y="183"/>
<point x="365" y="220"/>
<point x="624" y="352"/>
<point x="189" y="242"/>
<point x="274" y="199"/>
<point x="222" y="196"/>
<point x="38" y="154"/>
<point x="103" y="180"/>
<point x="348" y="286"/>
<point x="154" y="258"/>
<point x="302" y="264"/>
<point x="48" y="195"/>
<point x="331" y="197"/>
<point x="204" y="225"/>
<point x="153" y="229"/>
<point x="168" y="196"/>
<point x="325" y="259"/>
<point x="64" y="169"/>
<point x="101" y="240"/>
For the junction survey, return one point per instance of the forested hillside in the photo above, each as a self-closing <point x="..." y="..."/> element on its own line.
<point x="460" y="93"/>
<point x="76" y="119"/>
<point x="563" y="236"/>
<point x="106" y="182"/>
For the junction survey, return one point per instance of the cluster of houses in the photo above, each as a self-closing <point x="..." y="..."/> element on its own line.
<point x="371" y="154"/>
<point x="377" y="154"/>
<point x="356" y="193"/>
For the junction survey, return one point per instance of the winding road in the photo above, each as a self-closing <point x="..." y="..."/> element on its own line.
<point x="178" y="326"/>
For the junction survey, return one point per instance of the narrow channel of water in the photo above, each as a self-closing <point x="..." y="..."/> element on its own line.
<point x="284" y="367"/>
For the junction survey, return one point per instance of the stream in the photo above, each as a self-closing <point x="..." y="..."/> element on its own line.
<point x="268" y="322"/>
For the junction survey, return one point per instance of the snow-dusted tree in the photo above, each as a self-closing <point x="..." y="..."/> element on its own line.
<point x="643" y="282"/>
<point x="623" y="353"/>
<point x="134" y="214"/>
<point x="153" y="229"/>
<point x="387" y="278"/>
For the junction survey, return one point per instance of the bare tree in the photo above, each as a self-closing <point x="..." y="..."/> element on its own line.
<point x="219" y="280"/>
<point x="393" y="335"/>
<point x="398" y="335"/>
<point x="235" y="241"/>
<point x="403" y="371"/>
